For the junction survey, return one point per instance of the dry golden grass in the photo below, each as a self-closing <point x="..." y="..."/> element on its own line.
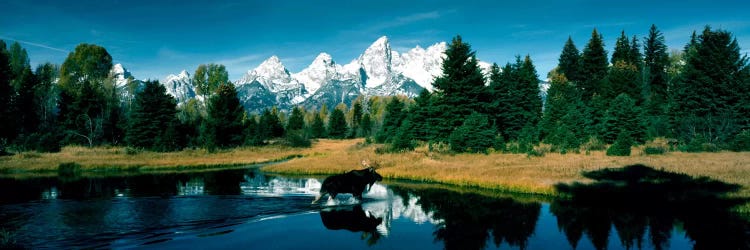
<point x="118" y="158"/>
<point x="511" y="172"/>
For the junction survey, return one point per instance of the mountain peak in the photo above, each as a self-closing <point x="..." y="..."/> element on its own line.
<point x="323" y="59"/>
<point x="184" y="74"/>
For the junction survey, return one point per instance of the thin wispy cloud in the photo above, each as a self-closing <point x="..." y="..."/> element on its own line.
<point x="35" y="44"/>
<point x="239" y="60"/>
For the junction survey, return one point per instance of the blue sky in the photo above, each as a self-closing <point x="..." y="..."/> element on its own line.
<point x="156" y="38"/>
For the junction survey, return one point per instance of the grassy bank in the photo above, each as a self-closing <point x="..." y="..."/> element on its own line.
<point x="126" y="159"/>
<point x="509" y="172"/>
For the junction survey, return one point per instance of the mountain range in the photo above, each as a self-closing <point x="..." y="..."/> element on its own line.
<point x="379" y="71"/>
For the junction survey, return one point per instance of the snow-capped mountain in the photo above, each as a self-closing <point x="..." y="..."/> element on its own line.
<point x="120" y="74"/>
<point x="380" y="70"/>
<point x="180" y="86"/>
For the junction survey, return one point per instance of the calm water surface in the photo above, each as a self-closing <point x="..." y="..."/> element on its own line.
<point x="248" y="209"/>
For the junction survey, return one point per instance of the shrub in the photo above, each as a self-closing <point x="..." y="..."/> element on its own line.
<point x="297" y="139"/>
<point x="622" y="145"/>
<point x="594" y="144"/>
<point x="657" y="146"/>
<point x="651" y="150"/>
<point x="741" y="142"/>
<point x="68" y="169"/>
<point x="475" y="135"/>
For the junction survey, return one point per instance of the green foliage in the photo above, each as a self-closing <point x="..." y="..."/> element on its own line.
<point x="269" y="125"/>
<point x="622" y="116"/>
<point x="7" y="117"/>
<point x="475" y="135"/>
<point x="223" y="127"/>
<point x="297" y="139"/>
<point x="403" y="139"/>
<point x="394" y="116"/>
<point x="337" y="128"/>
<point x="356" y="117"/>
<point x="649" y="150"/>
<point x="422" y="116"/>
<point x="569" y="63"/>
<point x="296" y="120"/>
<point x="622" y="145"/>
<point x="153" y="120"/>
<point x="656" y="61"/>
<point x="460" y="89"/>
<point x="741" y="142"/>
<point x="317" y="129"/>
<point x="516" y="100"/>
<point x="208" y="78"/>
<point x="365" y="125"/>
<point x="594" y="67"/>
<point x="711" y="98"/>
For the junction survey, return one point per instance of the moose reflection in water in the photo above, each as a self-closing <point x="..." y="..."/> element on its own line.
<point x="638" y="199"/>
<point x="354" y="219"/>
<point x="353" y="182"/>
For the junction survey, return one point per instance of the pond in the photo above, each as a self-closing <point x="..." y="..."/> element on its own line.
<point x="245" y="208"/>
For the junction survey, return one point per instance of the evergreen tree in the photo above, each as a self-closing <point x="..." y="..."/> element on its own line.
<point x="19" y="65"/>
<point x="253" y="136"/>
<point x="460" y="89"/>
<point x="623" y="79"/>
<point x="474" y="135"/>
<point x="623" y="116"/>
<point x="46" y="93"/>
<point x="153" y="121"/>
<point x="517" y="102"/>
<point x="593" y="67"/>
<point x="337" y="124"/>
<point x="621" y="146"/>
<point x="356" y="115"/>
<point x="270" y="125"/>
<point x="224" y="123"/>
<point x="562" y="123"/>
<point x="296" y="120"/>
<point x="317" y="129"/>
<point x="403" y="139"/>
<point x="7" y="116"/>
<point x="529" y="99"/>
<point x="394" y="116"/>
<point x="655" y="66"/>
<point x="501" y="86"/>
<point x="569" y="63"/>
<point x="709" y="99"/>
<point x="622" y="50"/>
<point x="365" y="125"/>
<point x="421" y="116"/>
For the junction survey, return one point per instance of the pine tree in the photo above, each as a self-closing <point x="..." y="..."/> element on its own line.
<point x="224" y="123"/>
<point x="623" y="116"/>
<point x="421" y="116"/>
<point x="621" y="146"/>
<point x="622" y="50"/>
<point x="153" y="120"/>
<point x="317" y="129"/>
<point x="404" y="138"/>
<point x="594" y="67"/>
<point x="623" y="79"/>
<point x="569" y="63"/>
<point x="296" y="120"/>
<point x="501" y="86"/>
<point x="562" y="123"/>
<point x="356" y="115"/>
<point x="529" y="99"/>
<point x="337" y="128"/>
<point x="394" y="116"/>
<point x="208" y="77"/>
<point x="7" y="116"/>
<point x="656" y="61"/>
<point x="365" y="125"/>
<point x="460" y="89"/>
<point x="706" y="100"/>
<point x="474" y="135"/>
<point x="269" y="125"/>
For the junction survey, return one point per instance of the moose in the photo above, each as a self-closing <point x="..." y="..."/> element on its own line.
<point x="353" y="182"/>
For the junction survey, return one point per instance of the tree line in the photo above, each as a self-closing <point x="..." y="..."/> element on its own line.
<point x="697" y="97"/>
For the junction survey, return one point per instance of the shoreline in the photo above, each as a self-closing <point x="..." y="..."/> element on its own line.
<point x="513" y="173"/>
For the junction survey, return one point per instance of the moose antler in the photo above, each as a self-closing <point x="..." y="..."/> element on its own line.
<point x="367" y="164"/>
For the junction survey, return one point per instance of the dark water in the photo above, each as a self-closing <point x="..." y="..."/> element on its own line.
<point x="246" y="209"/>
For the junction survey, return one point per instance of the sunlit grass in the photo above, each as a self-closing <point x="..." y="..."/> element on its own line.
<point x="511" y="172"/>
<point x="508" y="172"/>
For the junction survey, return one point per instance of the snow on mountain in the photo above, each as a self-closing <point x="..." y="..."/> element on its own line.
<point x="120" y="75"/>
<point x="180" y="86"/>
<point x="379" y="71"/>
<point x="272" y="75"/>
<point x="322" y="70"/>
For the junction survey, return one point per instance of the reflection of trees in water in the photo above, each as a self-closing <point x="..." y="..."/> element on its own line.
<point x="224" y="182"/>
<point x="469" y="219"/>
<point x="353" y="219"/>
<point x="637" y="198"/>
